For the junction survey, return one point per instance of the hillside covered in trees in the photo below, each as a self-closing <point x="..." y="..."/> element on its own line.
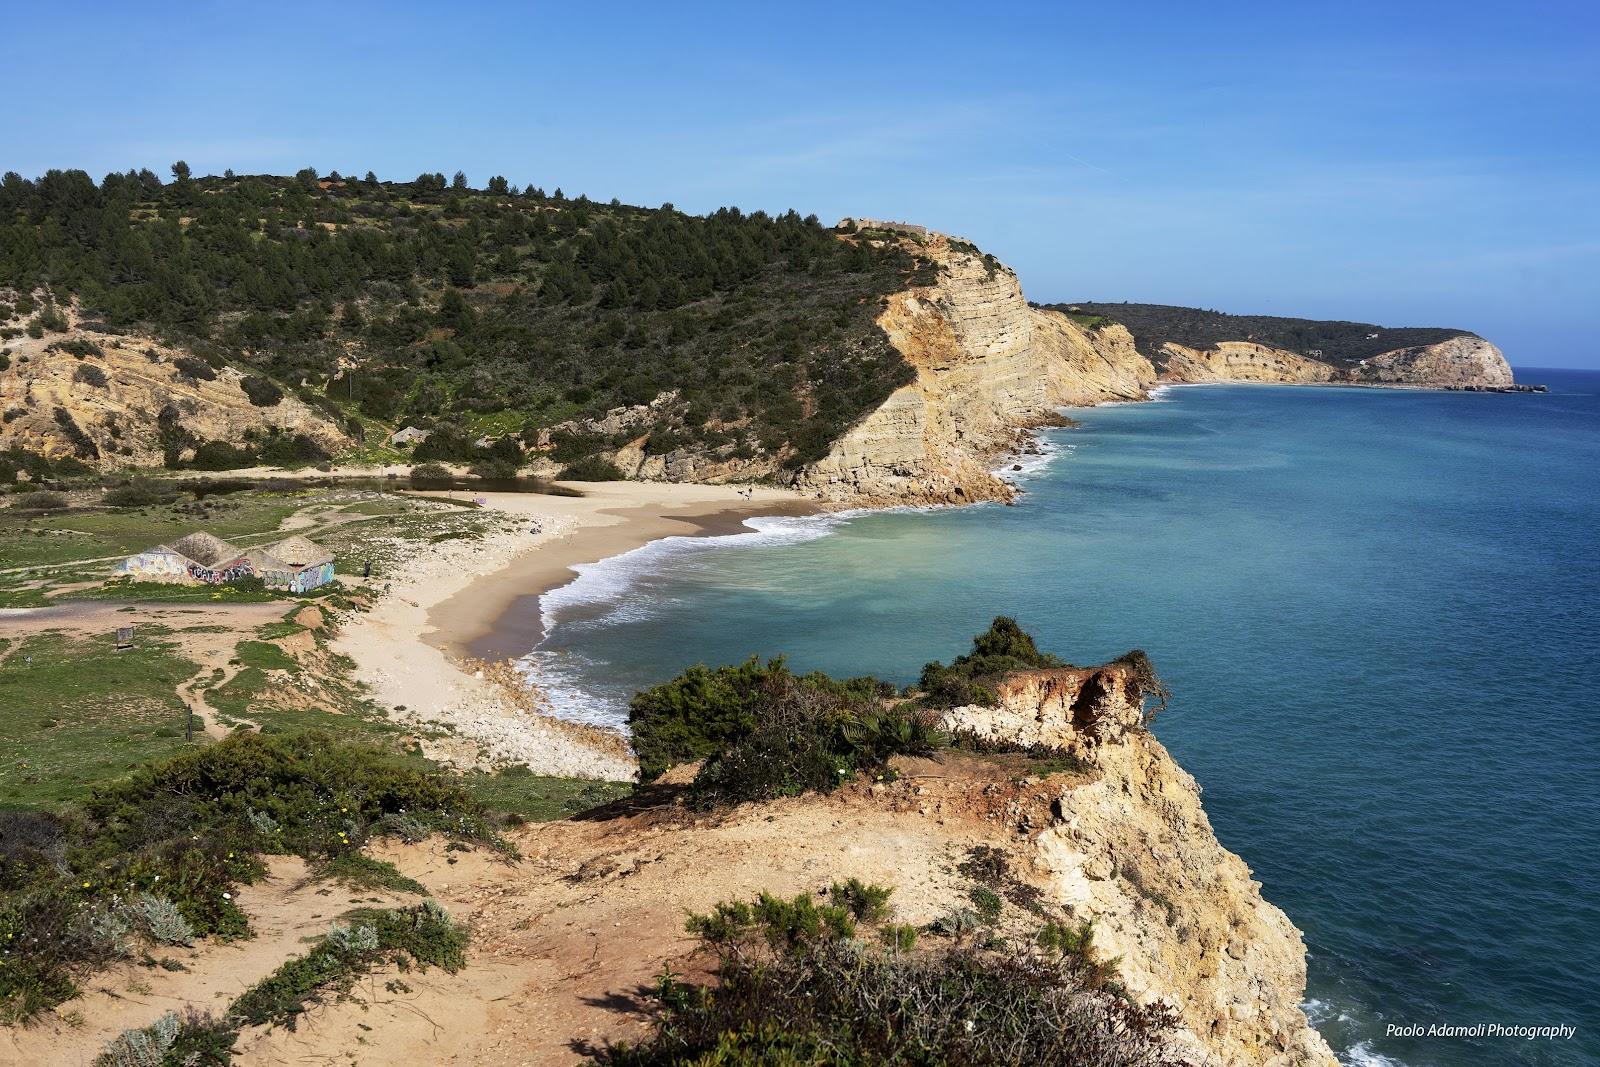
<point x="1343" y="344"/>
<point x="494" y="311"/>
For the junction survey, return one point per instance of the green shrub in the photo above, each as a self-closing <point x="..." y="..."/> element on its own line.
<point x="493" y="470"/>
<point x="763" y="732"/>
<point x="364" y="872"/>
<point x="592" y="469"/>
<point x="222" y="456"/>
<point x="1003" y="648"/>
<point x="794" y="986"/>
<point x="868" y="903"/>
<point x="40" y="500"/>
<point x="139" y="493"/>
<point x="422" y="936"/>
<point x="696" y="714"/>
<point x="262" y="393"/>
<point x="430" y="475"/>
<point x="986" y="902"/>
<point x="188" y="831"/>
<point x="197" y="369"/>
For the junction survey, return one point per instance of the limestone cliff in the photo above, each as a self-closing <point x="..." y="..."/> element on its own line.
<point x="1130" y="847"/>
<point x="101" y="397"/>
<point x="1460" y="361"/>
<point x="1241" y="361"/>
<point x="988" y="366"/>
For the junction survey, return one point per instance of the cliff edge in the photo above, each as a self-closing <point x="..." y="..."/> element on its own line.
<point x="565" y="936"/>
<point x="1131" y="848"/>
<point x="988" y="366"/>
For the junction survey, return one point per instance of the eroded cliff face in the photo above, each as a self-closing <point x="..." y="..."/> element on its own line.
<point x="988" y="367"/>
<point x="1130" y="847"/>
<point x="1241" y="361"/>
<point x="105" y="407"/>
<point x="1460" y="361"/>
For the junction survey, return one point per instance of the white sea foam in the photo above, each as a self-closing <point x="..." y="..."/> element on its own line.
<point x="560" y="677"/>
<point x="1361" y="1055"/>
<point x="610" y="583"/>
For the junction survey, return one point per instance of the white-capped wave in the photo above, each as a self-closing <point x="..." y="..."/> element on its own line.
<point x="609" y="583"/>
<point x="1361" y="1055"/>
<point x="561" y="678"/>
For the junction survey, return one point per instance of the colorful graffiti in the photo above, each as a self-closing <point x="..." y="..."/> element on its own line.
<point x="165" y="564"/>
<point x="231" y="571"/>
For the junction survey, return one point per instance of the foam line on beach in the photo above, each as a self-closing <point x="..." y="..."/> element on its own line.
<point x="610" y="581"/>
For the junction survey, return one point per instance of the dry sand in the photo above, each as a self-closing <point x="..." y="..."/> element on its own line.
<point x="477" y="600"/>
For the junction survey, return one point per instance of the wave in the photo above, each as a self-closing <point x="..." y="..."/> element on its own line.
<point x="1361" y="1055"/>
<point x="1019" y="467"/>
<point x="565" y="679"/>
<point x="609" y="583"/>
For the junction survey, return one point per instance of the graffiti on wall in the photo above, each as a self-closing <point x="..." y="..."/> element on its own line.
<point x="227" y="572"/>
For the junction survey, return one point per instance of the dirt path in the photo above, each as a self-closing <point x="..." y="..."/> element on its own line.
<point x="284" y="911"/>
<point x="192" y="693"/>
<point x="567" y="941"/>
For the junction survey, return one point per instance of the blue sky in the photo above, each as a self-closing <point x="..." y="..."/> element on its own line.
<point x="1409" y="164"/>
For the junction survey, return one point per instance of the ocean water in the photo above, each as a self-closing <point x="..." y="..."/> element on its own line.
<point x="1377" y="612"/>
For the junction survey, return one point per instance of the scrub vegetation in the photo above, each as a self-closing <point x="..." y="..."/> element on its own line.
<point x="808" y="983"/>
<point x="469" y="310"/>
<point x="759" y="731"/>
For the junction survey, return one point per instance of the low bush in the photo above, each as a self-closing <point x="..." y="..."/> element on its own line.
<point x="795" y="984"/>
<point x="430" y="476"/>
<point x="139" y="493"/>
<point x="198" y="369"/>
<point x="90" y="375"/>
<point x="262" y="393"/>
<point x="765" y="732"/>
<point x="1003" y="648"/>
<point x="40" y="500"/>
<point x="76" y="346"/>
<point x="420" y="936"/>
<point x="592" y="469"/>
<point x="187" y="833"/>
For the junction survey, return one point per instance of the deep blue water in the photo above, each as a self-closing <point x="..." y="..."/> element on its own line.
<point x="1376" y="610"/>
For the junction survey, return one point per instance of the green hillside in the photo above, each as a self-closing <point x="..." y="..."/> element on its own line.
<point x="496" y="309"/>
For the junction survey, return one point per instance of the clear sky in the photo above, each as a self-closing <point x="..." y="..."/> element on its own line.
<point x="1401" y="163"/>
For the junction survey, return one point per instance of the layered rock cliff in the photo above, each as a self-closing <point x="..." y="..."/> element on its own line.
<point x="1130" y="847"/>
<point x="1460" y="361"/>
<point x="988" y="366"/>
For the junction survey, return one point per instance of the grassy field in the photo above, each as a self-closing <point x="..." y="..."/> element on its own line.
<point x="30" y="540"/>
<point x="75" y="712"/>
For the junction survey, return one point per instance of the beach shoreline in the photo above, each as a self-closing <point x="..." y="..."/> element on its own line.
<point x="497" y="616"/>
<point x="430" y="647"/>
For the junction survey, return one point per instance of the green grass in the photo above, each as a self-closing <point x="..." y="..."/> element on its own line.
<point x="363" y="872"/>
<point x="517" y="791"/>
<point x="119" y="589"/>
<point x="264" y="656"/>
<point x="65" y="537"/>
<point x="82" y="713"/>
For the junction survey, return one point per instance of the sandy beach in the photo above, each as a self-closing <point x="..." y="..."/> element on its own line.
<point x="429" y="646"/>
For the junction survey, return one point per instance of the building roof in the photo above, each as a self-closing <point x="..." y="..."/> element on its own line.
<point x="300" y="552"/>
<point x="204" y="549"/>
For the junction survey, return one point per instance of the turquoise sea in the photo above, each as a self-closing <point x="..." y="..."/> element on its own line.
<point x="1376" y="609"/>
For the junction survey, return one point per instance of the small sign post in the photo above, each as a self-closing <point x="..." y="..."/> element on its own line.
<point x="124" y="637"/>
